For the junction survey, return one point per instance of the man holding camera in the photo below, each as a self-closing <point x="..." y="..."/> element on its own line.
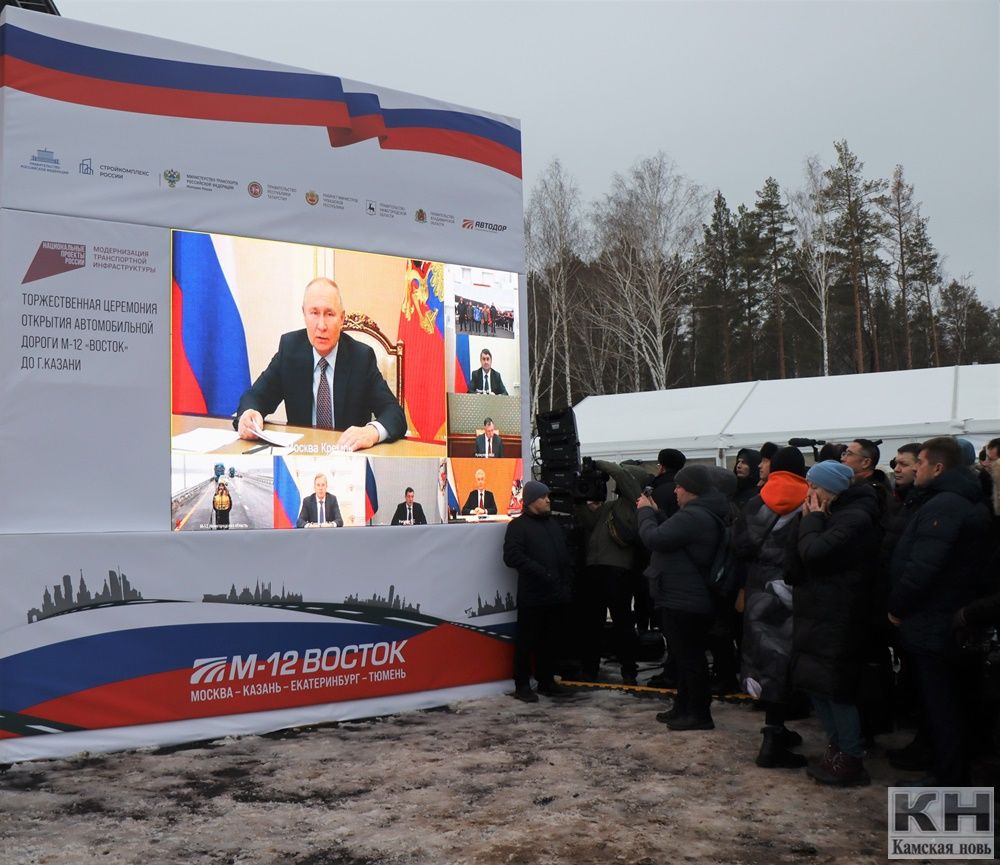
<point x="608" y="584"/>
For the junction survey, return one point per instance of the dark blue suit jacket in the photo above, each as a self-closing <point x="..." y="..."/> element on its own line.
<point x="496" y="383"/>
<point x="497" y="445"/>
<point x="400" y="515"/>
<point x="310" y="511"/>
<point x="359" y="391"/>
<point x="472" y="502"/>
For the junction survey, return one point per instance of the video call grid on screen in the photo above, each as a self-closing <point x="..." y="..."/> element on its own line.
<point x="432" y="327"/>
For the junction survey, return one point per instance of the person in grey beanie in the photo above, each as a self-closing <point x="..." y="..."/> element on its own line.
<point x="683" y="548"/>
<point x="535" y="546"/>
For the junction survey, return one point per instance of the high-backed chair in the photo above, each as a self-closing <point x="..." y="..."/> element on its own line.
<point x="388" y="356"/>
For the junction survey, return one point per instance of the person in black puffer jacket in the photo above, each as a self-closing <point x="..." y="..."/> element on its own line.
<point x="535" y="546"/>
<point x="760" y="540"/>
<point x="937" y="569"/>
<point x="831" y="569"/>
<point x="683" y="549"/>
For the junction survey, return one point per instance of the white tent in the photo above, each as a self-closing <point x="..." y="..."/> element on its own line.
<point x="715" y="421"/>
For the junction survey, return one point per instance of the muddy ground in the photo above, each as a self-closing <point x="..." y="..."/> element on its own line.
<point x="589" y="779"/>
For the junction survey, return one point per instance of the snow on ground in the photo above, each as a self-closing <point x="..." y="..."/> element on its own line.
<point x="588" y="779"/>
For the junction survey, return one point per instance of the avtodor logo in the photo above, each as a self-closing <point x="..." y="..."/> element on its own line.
<point x="482" y="225"/>
<point x="208" y="670"/>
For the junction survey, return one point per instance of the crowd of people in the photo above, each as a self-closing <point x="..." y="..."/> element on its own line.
<point x="472" y="316"/>
<point x="870" y="599"/>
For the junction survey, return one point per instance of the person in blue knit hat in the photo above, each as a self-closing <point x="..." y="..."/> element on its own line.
<point x="832" y="571"/>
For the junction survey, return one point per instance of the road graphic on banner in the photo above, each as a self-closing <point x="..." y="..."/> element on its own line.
<point x="13" y="724"/>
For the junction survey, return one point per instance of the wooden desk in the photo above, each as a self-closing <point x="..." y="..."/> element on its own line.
<point x="322" y="440"/>
<point x="485" y="518"/>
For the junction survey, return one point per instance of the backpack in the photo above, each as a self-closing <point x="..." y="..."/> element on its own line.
<point x="623" y="524"/>
<point x="723" y="575"/>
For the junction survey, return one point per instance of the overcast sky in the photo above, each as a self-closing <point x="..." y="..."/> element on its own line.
<point x="731" y="91"/>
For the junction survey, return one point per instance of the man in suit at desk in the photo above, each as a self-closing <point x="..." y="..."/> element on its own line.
<point x="480" y="500"/>
<point x="325" y="378"/>
<point x="409" y="513"/>
<point x="320" y="510"/>
<point x="486" y="379"/>
<point x="489" y="444"/>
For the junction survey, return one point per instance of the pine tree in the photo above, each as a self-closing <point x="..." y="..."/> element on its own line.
<point x="711" y="301"/>
<point x="750" y="269"/>
<point x="778" y="249"/>
<point x="925" y="273"/>
<point x="965" y="324"/>
<point x="858" y="230"/>
<point x="901" y="212"/>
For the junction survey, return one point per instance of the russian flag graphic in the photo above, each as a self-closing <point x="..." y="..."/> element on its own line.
<point x="463" y="371"/>
<point x="371" y="492"/>
<point x="210" y="368"/>
<point x="452" y="495"/>
<point x="119" y="81"/>
<point x="287" y="501"/>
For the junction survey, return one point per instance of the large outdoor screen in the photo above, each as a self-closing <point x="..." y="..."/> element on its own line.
<point x="421" y="357"/>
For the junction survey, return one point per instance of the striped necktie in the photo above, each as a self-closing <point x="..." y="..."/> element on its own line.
<point x="324" y="411"/>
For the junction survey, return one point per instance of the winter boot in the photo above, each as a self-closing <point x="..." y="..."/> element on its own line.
<point x="914" y="757"/>
<point x="845" y="771"/>
<point x="789" y="738"/>
<point x="675" y="711"/>
<point x="691" y="722"/>
<point x="826" y="764"/>
<point x="774" y="753"/>
<point x="554" y="689"/>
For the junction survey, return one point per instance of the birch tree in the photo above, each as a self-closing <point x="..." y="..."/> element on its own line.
<point x="555" y="238"/>
<point x="814" y="255"/>
<point x="646" y="230"/>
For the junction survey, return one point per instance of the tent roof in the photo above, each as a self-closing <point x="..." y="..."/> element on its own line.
<point x="908" y="405"/>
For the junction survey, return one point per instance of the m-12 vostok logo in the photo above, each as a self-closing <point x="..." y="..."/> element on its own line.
<point x="55" y="257"/>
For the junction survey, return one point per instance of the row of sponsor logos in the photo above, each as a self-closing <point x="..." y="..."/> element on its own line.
<point x="46" y="160"/>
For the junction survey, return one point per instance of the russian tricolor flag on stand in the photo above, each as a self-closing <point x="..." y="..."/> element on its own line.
<point x="287" y="500"/>
<point x="453" y="505"/>
<point x="210" y="369"/>
<point x="463" y="371"/>
<point x="371" y="492"/>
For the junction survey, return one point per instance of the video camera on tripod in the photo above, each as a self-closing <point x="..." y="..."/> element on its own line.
<point x="569" y="478"/>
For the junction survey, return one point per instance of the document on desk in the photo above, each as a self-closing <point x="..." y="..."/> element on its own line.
<point x="203" y="439"/>
<point x="278" y="439"/>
